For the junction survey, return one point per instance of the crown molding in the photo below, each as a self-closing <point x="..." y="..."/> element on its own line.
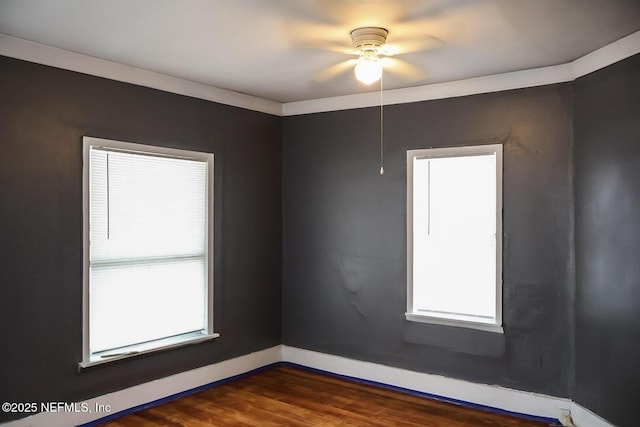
<point x="601" y="58"/>
<point x="60" y="58"/>
<point x="485" y="84"/>
<point x="607" y="55"/>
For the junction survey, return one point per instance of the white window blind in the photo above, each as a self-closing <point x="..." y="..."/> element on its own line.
<point x="454" y="248"/>
<point x="148" y="257"/>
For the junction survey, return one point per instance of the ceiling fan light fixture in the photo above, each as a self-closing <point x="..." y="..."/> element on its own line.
<point x="369" y="68"/>
<point x="367" y="40"/>
<point x="369" y="37"/>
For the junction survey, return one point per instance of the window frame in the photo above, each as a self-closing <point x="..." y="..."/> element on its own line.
<point x="459" y="151"/>
<point x="91" y="359"/>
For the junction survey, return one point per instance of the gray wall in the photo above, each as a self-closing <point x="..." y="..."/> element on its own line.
<point x="607" y="188"/>
<point x="44" y="112"/>
<point x="344" y="237"/>
<point x="310" y="185"/>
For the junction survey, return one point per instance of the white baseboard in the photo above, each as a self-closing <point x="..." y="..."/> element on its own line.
<point x="478" y="394"/>
<point x="493" y="396"/>
<point x="148" y="392"/>
<point x="582" y="417"/>
<point x="468" y="392"/>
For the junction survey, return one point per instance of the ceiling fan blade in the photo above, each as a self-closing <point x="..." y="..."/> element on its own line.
<point x="445" y="24"/>
<point x="434" y="9"/>
<point x="359" y="13"/>
<point x="403" y="69"/>
<point x="416" y="43"/>
<point x="310" y="35"/>
<point x="335" y="70"/>
<point x="376" y="12"/>
<point x="329" y="47"/>
<point x="304" y="10"/>
<point x="362" y="13"/>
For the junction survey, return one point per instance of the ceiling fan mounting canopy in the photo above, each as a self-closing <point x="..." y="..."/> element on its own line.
<point x="369" y="38"/>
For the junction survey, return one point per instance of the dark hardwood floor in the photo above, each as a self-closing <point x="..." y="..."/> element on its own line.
<point x="289" y="396"/>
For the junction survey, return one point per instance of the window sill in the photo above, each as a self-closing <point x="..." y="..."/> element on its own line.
<point x="422" y="318"/>
<point x="107" y="356"/>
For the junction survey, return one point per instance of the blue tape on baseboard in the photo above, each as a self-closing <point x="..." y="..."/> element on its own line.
<point x="550" y="421"/>
<point x="175" y="396"/>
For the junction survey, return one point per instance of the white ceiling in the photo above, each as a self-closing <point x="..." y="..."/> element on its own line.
<point x="291" y="50"/>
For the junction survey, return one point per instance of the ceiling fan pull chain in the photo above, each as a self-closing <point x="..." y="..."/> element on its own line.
<point x="381" y="130"/>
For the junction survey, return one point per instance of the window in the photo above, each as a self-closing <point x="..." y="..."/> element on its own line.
<point x="454" y="213"/>
<point x="148" y="249"/>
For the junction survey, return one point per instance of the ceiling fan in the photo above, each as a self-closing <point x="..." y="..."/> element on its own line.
<point x="324" y="24"/>
<point x="374" y="55"/>
<point x="369" y="43"/>
<point x="380" y="31"/>
<point x="405" y="34"/>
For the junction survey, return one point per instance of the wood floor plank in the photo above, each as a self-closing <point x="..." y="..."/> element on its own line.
<point x="289" y="396"/>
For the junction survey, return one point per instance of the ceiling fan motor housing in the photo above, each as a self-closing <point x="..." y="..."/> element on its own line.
<point x="369" y="38"/>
